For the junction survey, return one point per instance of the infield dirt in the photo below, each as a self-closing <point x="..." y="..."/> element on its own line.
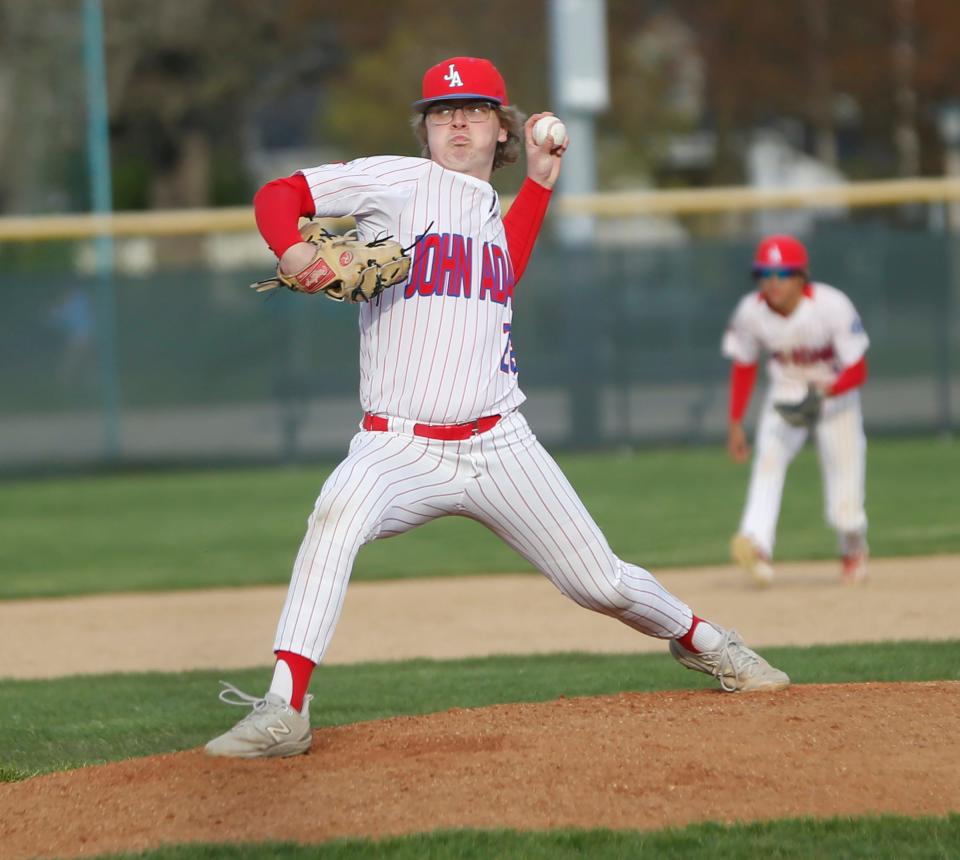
<point x="635" y="761"/>
<point x="455" y="617"/>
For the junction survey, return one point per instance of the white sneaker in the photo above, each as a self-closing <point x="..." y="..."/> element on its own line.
<point x="271" y="729"/>
<point x="733" y="664"/>
<point x="748" y="555"/>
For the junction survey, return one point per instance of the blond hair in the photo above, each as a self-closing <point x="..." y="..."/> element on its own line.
<point x="511" y="118"/>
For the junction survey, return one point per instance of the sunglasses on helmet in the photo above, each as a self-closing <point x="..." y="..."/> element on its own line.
<point x="760" y="272"/>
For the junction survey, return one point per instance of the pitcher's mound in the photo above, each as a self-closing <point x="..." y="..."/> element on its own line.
<point x="631" y="761"/>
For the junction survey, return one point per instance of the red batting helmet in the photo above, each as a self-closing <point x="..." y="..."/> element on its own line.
<point x="461" y="78"/>
<point x="782" y="252"/>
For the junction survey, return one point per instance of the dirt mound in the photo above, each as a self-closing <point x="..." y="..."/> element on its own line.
<point x="631" y="761"/>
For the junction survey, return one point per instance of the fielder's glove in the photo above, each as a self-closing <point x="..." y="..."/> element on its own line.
<point x="806" y="412"/>
<point x="344" y="268"/>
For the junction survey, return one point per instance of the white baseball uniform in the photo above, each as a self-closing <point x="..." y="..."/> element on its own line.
<point x="813" y="344"/>
<point x="438" y="350"/>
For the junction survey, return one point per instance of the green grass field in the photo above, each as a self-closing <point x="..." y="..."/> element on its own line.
<point x="661" y="508"/>
<point x="881" y="838"/>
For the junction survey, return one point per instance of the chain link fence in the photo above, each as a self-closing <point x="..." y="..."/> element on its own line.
<point x="616" y="346"/>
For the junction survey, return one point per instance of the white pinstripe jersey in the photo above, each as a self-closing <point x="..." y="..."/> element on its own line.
<point x="822" y="336"/>
<point x="437" y="348"/>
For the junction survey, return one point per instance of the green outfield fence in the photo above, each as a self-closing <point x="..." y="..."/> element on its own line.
<point x="173" y="359"/>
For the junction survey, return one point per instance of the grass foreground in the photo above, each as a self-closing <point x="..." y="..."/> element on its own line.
<point x="659" y="508"/>
<point x="880" y="837"/>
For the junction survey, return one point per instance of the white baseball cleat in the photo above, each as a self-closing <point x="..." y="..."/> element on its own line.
<point x="854" y="568"/>
<point x="749" y="556"/>
<point x="733" y="664"/>
<point x="271" y="729"/>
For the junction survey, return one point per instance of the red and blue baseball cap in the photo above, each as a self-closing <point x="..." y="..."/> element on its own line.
<point x="460" y="78"/>
<point x="781" y="252"/>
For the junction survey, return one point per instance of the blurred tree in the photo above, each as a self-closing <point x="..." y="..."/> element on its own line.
<point x="657" y="90"/>
<point x="937" y="74"/>
<point x="41" y="107"/>
<point x="901" y="62"/>
<point x="821" y="87"/>
<point x="757" y="71"/>
<point x="875" y="71"/>
<point x="198" y="89"/>
<point x="184" y="80"/>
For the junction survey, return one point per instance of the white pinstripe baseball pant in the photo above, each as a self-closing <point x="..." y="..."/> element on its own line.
<point x="390" y="483"/>
<point x="842" y="450"/>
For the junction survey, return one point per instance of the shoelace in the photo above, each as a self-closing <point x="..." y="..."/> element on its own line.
<point x="726" y="664"/>
<point x="242" y="699"/>
<point x="258" y="704"/>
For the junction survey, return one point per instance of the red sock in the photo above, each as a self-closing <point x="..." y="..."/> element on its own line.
<point x="687" y="639"/>
<point x="300" y="670"/>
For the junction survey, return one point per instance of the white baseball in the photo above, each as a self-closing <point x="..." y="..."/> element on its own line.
<point x="549" y="125"/>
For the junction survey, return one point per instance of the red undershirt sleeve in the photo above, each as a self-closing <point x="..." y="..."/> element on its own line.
<point x="277" y="207"/>
<point x="522" y="223"/>
<point x="742" y="379"/>
<point x="850" y="378"/>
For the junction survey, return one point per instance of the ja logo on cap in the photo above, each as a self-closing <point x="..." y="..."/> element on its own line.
<point x="453" y="77"/>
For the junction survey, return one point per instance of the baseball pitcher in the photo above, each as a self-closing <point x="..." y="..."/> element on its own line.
<point x="442" y="432"/>
<point x="815" y="346"/>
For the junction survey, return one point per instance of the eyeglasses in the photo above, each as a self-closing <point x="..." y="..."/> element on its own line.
<point x="761" y="272"/>
<point x="442" y="114"/>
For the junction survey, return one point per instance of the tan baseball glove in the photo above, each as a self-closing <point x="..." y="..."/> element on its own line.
<point x="344" y="268"/>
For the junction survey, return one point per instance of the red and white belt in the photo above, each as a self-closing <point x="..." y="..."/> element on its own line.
<point x="445" y="432"/>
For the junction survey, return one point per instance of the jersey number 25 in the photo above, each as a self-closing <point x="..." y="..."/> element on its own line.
<point x="508" y="361"/>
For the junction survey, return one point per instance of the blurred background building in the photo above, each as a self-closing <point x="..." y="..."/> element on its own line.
<point x="618" y="337"/>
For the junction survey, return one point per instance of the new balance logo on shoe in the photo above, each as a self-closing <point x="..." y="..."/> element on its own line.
<point x="277" y="731"/>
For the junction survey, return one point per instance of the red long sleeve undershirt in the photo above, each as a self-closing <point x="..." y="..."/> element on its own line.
<point x="742" y="379"/>
<point x="522" y="223"/>
<point x="279" y="205"/>
<point x="744" y="376"/>
<point x="849" y="378"/>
